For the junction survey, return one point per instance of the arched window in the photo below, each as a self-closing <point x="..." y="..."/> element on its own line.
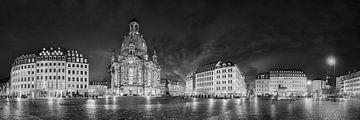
<point x="149" y="78"/>
<point x="131" y="75"/>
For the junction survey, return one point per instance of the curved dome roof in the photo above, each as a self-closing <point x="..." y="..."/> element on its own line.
<point x="133" y="40"/>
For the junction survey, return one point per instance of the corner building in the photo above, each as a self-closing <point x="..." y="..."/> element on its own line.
<point x="50" y="73"/>
<point x="351" y="84"/>
<point x="132" y="71"/>
<point x="220" y="79"/>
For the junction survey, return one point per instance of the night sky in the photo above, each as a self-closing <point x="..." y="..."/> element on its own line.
<point x="257" y="35"/>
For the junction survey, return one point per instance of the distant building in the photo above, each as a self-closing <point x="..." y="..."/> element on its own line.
<point x="98" y="88"/>
<point x="251" y="87"/>
<point x="220" y="79"/>
<point x="316" y="86"/>
<point x="262" y="84"/>
<point x="176" y="88"/>
<point x="340" y="84"/>
<point x="50" y="72"/>
<point x="284" y="82"/>
<point x="103" y="83"/>
<point x="190" y="83"/>
<point x="164" y="86"/>
<point x="172" y="87"/>
<point x="132" y="71"/>
<point x="4" y="89"/>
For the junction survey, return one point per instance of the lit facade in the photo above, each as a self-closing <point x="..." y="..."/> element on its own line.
<point x="220" y="79"/>
<point x="176" y="88"/>
<point x="4" y="89"/>
<point x="98" y="88"/>
<point x="50" y="73"/>
<point x="340" y="84"/>
<point x="262" y="84"/>
<point x="204" y="77"/>
<point x="294" y="82"/>
<point x="190" y="83"/>
<point x="316" y="86"/>
<point x="284" y="82"/>
<point x="164" y="87"/>
<point x="132" y="72"/>
<point x="251" y="87"/>
<point x="351" y="84"/>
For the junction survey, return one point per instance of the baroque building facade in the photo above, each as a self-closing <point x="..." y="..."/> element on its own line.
<point x="132" y="71"/>
<point x="219" y="79"/>
<point x="283" y="82"/>
<point x="50" y="73"/>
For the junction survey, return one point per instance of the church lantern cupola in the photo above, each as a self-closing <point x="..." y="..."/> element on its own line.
<point x="134" y="26"/>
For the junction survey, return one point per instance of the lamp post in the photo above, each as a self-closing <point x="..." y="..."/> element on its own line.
<point x="309" y="87"/>
<point x="331" y="61"/>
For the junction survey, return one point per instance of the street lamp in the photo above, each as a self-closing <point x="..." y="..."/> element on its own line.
<point x="309" y="87"/>
<point x="309" y="82"/>
<point x="332" y="62"/>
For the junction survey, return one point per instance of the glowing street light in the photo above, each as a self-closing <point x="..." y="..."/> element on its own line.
<point x="331" y="61"/>
<point x="309" y="82"/>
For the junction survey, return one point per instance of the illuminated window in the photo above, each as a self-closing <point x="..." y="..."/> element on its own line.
<point x="131" y="75"/>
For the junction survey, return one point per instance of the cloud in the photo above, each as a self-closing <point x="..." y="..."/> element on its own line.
<point x="255" y="35"/>
<point x="184" y="60"/>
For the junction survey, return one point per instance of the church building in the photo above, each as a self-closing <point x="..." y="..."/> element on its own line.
<point x="132" y="72"/>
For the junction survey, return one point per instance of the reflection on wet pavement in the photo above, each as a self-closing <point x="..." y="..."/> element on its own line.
<point x="177" y="108"/>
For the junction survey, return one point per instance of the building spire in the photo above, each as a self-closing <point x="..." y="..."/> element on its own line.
<point x="155" y="57"/>
<point x="113" y="56"/>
